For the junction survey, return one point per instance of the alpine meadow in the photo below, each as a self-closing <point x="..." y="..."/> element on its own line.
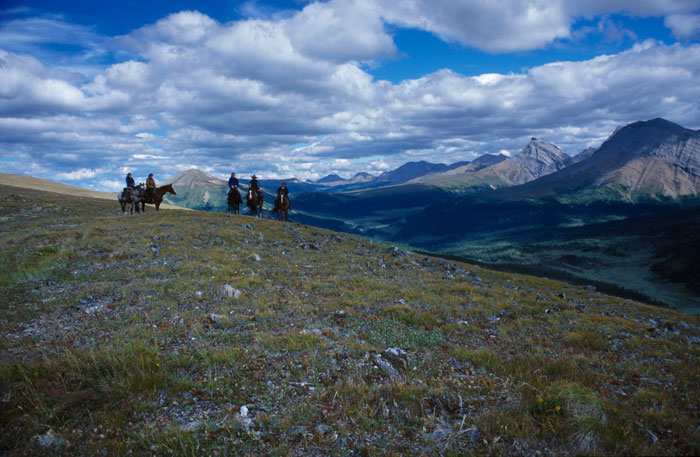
<point x="198" y="333"/>
<point x="353" y="228"/>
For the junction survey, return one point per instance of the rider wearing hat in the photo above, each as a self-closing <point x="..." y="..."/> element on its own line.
<point x="283" y="191"/>
<point x="254" y="185"/>
<point x="130" y="181"/>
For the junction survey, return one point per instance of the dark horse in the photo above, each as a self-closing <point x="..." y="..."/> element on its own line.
<point x="282" y="205"/>
<point x="234" y="201"/>
<point x="132" y="195"/>
<point x="254" y="201"/>
<point x="156" y="198"/>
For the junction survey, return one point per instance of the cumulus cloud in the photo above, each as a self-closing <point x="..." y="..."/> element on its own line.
<point x="684" y="26"/>
<point x="290" y="95"/>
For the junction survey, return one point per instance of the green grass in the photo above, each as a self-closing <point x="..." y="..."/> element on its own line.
<point x="118" y="340"/>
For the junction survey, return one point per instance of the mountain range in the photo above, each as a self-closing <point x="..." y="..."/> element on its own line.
<point x="541" y="208"/>
<point x="656" y="158"/>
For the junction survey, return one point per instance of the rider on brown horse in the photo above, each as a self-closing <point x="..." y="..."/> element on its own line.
<point x="150" y="185"/>
<point x="283" y="191"/>
<point x="255" y="186"/>
<point x="232" y="182"/>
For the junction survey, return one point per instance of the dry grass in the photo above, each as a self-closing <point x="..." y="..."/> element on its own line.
<point x="119" y="338"/>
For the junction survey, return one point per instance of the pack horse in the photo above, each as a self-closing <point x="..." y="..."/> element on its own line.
<point x="131" y="195"/>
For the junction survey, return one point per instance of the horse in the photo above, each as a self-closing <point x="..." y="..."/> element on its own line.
<point x="234" y="201"/>
<point x="132" y="195"/>
<point x="156" y="198"/>
<point x="282" y="205"/>
<point x="254" y="201"/>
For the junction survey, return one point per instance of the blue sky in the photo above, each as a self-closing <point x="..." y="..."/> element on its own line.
<point x="91" y="90"/>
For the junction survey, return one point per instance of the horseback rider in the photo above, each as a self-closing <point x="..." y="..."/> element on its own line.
<point x="232" y="182"/>
<point x="255" y="186"/>
<point x="283" y="191"/>
<point x="130" y="181"/>
<point x="150" y="185"/>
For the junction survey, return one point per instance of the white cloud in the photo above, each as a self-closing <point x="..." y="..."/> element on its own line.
<point x="243" y="95"/>
<point x="493" y="26"/>
<point x="684" y="26"/>
<point x="82" y="173"/>
<point x="340" y="31"/>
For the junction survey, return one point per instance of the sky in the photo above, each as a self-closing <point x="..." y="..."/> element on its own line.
<point x="92" y="90"/>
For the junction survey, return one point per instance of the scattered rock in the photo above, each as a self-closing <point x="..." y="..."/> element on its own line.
<point x="228" y="291"/>
<point x="451" y="401"/>
<point x="397" y="252"/>
<point x="299" y="431"/>
<point x="397" y="357"/>
<point x="307" y="246"/>
<point x="256" y="257"/>
<point x="50" y="441"/>
<point x="215" y="320"/>
<point x="386" y="367"/>
<point x="471" y="433"/>
<point x="192" y="426"/>
<point x="322" y="429"/>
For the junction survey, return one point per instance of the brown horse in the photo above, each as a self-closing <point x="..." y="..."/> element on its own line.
<point x="282" y="205"/>
<point x="254" y="201"/>
<point x="156" y="198"/>
<point x="234" y="201"/>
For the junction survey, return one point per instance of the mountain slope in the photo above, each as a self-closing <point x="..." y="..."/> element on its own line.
<point x="653" y="158"/>
<point x="30" y="182"/>
<point x="409" y="171"/>
<point x="218" y="335"/>
<point x="330" y="178"/>
<point x="536" y="159"/>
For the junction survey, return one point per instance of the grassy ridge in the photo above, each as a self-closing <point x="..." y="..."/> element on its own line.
<point x="120" y="335"/>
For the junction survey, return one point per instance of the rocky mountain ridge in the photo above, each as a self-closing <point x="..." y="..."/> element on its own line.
<point x="647" y="158"/>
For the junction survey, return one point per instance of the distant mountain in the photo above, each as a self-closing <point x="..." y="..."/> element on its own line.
<point x="196" y="178"/>
<point x="361" y="177"/>
<point x="583" y="155"/>
<point x="363" y="181"/>
<point x="536" y="159"/>
<point x="487" y="160"/>
<point x="648" y="158"/>
<point x="332" y="178"/>
<point x="409" y="171"/>
<point x="198" y="190"/>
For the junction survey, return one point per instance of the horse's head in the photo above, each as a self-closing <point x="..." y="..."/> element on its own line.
<point x="170" y="189"/>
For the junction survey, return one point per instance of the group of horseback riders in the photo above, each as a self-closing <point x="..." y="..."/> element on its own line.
<point x="255" y="197"/>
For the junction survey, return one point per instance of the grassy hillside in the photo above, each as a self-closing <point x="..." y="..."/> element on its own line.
<point x="196" y="333"/>
<point x="31" y="182"/>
